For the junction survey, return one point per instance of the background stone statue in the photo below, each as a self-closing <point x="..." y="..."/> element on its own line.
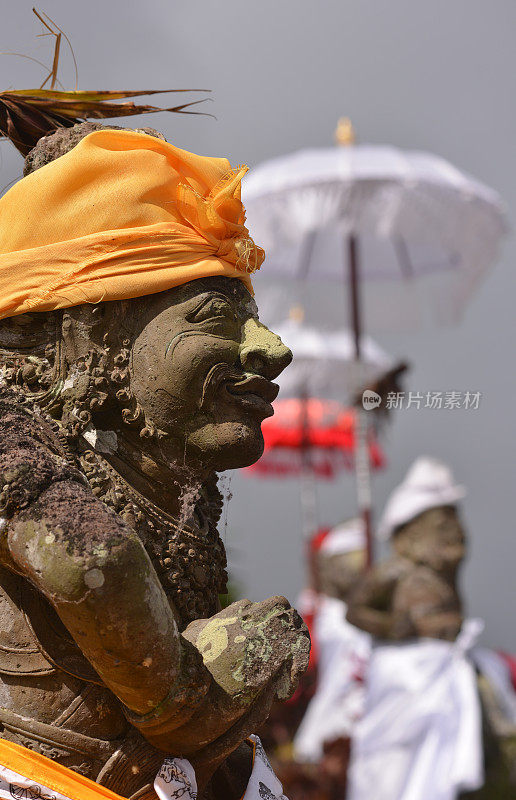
<point x="114" y="421"/>
<point x="422" y="695"/>
<point x="414" y="592"/>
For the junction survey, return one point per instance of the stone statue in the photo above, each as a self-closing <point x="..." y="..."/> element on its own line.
<point x="414" y="592"/>
<point x="115" y="418"/>
<point x="421" y="693"/>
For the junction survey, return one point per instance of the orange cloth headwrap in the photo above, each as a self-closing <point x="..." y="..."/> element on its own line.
<point x="121" y="215"/>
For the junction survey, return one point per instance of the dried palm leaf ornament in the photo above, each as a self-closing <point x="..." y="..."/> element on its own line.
<point x="26" y="115"/>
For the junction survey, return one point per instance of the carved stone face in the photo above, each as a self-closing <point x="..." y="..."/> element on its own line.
<point x="435" y="537"/>
<point x="202" y="367"/>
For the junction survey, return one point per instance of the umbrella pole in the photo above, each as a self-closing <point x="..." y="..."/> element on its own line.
<point x="362" y="467"/>
<point x="309" y="522"/>
<point x="309" y="514"/>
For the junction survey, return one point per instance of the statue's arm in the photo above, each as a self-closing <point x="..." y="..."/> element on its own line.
<point x="87" y="562"/>
<point x="97" y="575"/>
<point x="370" y="604"/>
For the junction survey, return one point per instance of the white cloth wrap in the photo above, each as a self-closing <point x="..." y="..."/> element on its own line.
<point x="176" y="779"/>
<point x="338" y="702"/>
<point x="421" y="735"/>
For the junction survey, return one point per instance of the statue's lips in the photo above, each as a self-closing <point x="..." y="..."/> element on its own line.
<point x="255" y="391"/>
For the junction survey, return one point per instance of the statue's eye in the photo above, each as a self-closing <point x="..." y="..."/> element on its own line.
<point x="216" y="308"/>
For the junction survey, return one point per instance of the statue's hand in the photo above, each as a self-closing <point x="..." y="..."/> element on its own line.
<point x="248" y="645"/>
<point x="252" y="653"/>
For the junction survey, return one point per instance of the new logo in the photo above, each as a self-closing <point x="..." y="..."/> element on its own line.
<point x="370" y="400"/>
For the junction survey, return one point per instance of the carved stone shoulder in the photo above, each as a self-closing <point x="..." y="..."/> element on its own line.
<point x="31" y="458"/>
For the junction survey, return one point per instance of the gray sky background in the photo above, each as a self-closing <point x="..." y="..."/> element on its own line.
<point x="438" y="76"/>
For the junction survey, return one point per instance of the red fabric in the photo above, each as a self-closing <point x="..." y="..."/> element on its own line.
<point x="315" y="436"/>
<point x="312" y="422"/>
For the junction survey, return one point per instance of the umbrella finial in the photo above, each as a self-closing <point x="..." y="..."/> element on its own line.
<point x="344" y="133"/>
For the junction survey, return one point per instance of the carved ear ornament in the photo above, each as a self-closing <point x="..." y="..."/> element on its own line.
<point x="35" y="379"/>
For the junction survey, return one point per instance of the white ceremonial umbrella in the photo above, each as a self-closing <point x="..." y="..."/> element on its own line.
<point x="414" y="231"/>
<point x="427" y="232"/>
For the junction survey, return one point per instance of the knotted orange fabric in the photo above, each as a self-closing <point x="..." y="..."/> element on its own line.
<point x="121" y="215"/>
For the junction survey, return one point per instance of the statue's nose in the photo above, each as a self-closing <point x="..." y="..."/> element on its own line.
<point x="262" y="351"/>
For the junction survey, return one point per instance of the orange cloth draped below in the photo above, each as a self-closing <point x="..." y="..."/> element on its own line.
<point x="121" y="215"/>
<point x="53" y="776"/>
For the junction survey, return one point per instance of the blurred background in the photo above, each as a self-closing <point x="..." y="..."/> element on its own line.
<point x="437" y="76"/>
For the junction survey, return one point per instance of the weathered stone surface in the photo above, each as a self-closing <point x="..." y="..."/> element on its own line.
<point x="247" y="644"/>
<point x="57" y="144"/>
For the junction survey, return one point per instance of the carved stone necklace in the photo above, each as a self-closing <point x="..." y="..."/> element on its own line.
<point x="190" y="561"/>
